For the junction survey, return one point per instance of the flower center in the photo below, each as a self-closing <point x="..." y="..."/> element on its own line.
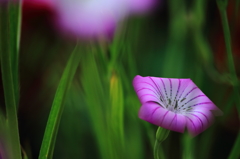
<point x="176" y="106"/>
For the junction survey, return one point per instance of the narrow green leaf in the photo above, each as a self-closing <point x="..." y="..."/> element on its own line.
<point x="54" y="118"/>
<point x="96" y="96"/>
<point x="14" y="11"/>
<point x="8" y="39"/>
<point x="24" y="154"/>
<point x="116" y="117"/>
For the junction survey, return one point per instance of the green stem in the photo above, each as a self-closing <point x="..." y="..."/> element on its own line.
<point x="227" y="37"/>
<point x="54" y="118"/>
<point x="222" y="5"/>
<point x="156" y="148"/>
<point x="161" y="135"/>
<point x="188" y="147"/>
<point x="235" y="154"/>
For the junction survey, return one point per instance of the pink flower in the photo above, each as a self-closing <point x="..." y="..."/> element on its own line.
<point x="91" y="18"/>
<point x="174" y="104"/>
<point x="140" y="6"/>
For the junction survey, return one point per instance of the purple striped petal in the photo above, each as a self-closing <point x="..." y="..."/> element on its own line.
<point x="199" y="120"/>
<point x="209" y="105"/>
<point x="147" y="89"/>
<point x="159" y="116"/>
<point x="174" y="104"/>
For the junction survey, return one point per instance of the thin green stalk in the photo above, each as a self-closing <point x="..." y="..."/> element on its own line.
<point x="227" y="37"/>
<point x="55" y="115"/>
<point x="235" y="151"/>
<point x="222" y="5"/>
<point x="158" y="151"/>
<point x="230" y="61"/>
<point x="161" y="135"/>
<point x="8" y="81"/>
<point x="188" y="147"/>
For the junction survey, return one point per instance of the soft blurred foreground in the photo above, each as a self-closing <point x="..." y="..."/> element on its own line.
<point x="173" y="39"/>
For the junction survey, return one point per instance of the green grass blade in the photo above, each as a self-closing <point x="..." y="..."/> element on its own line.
<point x="7" y="74"/>
<point x="15" y="30"/>
<point x="95" y="88"/>
<point x="54" y="118"/>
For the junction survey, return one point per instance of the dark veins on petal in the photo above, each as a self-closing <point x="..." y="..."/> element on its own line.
<point x="198" y="119"/>
<point x="203" y="115"/>
<point x="164" y="117"/>
<point x="154" y="112"/>
<point x="159" y="91"/>
<point x="149" y="90"/>
<point x="190" y="92"/>
<point x="195" y="98"/>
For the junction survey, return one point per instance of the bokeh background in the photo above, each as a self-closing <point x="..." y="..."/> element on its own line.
<point x="175" y="39"/>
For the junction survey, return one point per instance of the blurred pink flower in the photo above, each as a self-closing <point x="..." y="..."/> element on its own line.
<point x="90" y="18"/>
<point x="174" y="104"/>
<point x="140" y="6"/>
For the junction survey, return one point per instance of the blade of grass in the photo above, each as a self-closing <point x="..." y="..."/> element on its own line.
<point x="54" y="118"/>
<point x="15" y="30"/>
<point x="95" y="88"/>
<point x="116" y="115"/>
<point x="7" y="74"/>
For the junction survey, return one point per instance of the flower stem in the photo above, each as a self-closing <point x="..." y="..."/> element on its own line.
<point x="54" y="118"/>
<point x="222" y="5"/>
<point x="161" y="135"/>
<point x="235" y="151"/>
<point x="227" y="37"/>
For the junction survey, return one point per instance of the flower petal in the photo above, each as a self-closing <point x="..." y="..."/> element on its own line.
<point x="199" y="120"/>
<point x="209" y="105"/>
<point x="174" y="104"/>
<point x="147" y="89"/>
<point x="179" y="123"/>
<point x="194" y="97"/>
<point x="157" y="115"/>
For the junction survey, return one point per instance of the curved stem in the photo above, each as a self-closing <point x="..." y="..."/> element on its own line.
<point x="161" y="135"/>
<point x="235" y="150"/>
<point x="222" y="5"/>
<point x="156" y="148"/>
